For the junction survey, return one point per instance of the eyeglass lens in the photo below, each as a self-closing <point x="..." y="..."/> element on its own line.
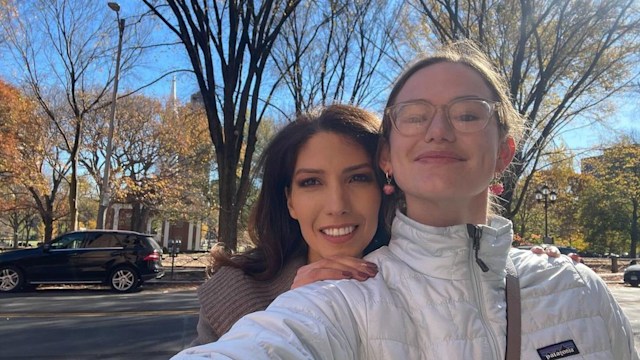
<point x="464" y="116"/>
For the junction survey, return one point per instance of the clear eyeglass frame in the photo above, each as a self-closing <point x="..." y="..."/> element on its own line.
<point x="466" y="115"/>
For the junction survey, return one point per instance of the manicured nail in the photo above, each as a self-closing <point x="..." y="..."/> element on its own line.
<point x="347" y="274"/>
<point x="364" y="275"/>
<point x="371" y="265"/>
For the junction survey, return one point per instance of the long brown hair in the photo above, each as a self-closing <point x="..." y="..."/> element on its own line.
<point x="277" y="236"/>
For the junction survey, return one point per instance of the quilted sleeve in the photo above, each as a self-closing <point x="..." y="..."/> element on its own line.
<point x="311" y="322"/>
<point x="619" y="328"/>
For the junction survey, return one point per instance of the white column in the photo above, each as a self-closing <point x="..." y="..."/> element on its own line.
<point x="198" y="235"/>
<point x="165" y="234"/>
<point x="116" y="216"/>
<point x="190" y="237"/>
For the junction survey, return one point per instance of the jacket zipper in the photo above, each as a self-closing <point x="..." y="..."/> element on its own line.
<point x="475" y="233"/>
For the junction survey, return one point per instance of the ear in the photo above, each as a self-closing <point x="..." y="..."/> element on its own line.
<point x="292" y="211"/>
<point x="505" y="154"/>
<point x="384" y="158"/>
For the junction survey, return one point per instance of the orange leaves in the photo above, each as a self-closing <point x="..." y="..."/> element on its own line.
<point x="20" y="135"/>
<point x="13" y="110"/>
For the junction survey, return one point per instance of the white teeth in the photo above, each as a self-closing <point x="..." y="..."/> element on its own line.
<point x="339" y="231"/>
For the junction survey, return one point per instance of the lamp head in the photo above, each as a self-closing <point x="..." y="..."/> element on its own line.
<point x="545" y="190"/>
<point x="114" y="6"/>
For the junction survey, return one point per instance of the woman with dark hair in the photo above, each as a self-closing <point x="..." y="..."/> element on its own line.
<point x="322" y="160"/>
<point x="444" y="289"/>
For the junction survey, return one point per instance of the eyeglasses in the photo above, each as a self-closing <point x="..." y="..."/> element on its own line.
<point x="465" y="115"/>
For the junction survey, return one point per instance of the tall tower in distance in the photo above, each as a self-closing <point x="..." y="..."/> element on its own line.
<point x="174" y="96"/>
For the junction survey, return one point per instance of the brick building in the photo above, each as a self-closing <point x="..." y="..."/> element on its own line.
<point x="189" y="233"/>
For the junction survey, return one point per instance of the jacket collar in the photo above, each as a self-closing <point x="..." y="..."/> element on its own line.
<point x="447" y="252"/>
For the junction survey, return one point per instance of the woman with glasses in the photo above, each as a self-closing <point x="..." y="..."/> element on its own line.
<point x="449" y="129"/>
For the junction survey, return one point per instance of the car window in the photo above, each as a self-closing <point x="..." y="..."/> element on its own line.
<point x="152" y="242"/>
<point x="130" y="241"/>
<point x="69" y="241"/>
<point x="105" y="240"/>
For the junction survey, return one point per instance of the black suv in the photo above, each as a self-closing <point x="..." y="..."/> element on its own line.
<point x="122" y="259"/>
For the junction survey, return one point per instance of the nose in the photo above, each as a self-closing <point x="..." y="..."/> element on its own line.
<point x="338" y="201"/>
<point x="440" y="129"/>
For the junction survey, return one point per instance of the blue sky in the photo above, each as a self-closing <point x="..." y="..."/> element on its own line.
<point x="577" y="137"/>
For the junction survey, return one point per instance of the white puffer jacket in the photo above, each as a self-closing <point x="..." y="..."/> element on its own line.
<point x="431" y="300"/>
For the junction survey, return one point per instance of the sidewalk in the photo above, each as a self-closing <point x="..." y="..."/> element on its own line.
<point x="612" y="278"/>
<point x="196" y="275"/>
<point x="181" y="275"/>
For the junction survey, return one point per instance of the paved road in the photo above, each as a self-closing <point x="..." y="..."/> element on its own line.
<point x="96" y="324"/>
<point x="629" y="299"/>
<point x="150" y="324"/>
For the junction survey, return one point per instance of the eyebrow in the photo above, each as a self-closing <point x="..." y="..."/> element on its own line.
<point x="348" y="169"/>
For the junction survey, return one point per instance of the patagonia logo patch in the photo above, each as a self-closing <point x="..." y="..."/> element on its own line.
<point x="559" y="350"/>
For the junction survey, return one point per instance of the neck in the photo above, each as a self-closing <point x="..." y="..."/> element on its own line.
<point x="448" y="212"/>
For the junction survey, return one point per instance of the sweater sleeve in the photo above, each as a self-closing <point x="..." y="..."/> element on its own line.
<point x="311" y="322"/>
<point x="206" y="333"/>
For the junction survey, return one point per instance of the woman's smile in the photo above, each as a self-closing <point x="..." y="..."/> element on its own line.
<point x="334" y="196"/>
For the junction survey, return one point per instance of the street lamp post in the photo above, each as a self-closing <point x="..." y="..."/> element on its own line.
<point x="547" y="195"/>
<point x="105" y="190"/>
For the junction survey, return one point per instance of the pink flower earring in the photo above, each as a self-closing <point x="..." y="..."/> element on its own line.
<point x="496" y="187"/>
<point x="388" y="189"/>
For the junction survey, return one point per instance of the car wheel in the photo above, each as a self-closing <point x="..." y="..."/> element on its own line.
<point x="124" y="279"/>
<point x="633" y="283"/>
<point x="11" y="279"/>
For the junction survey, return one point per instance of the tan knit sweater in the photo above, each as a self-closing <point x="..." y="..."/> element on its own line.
<point x="230" y="294"/>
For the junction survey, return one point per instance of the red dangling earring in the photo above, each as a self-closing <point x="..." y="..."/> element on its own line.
<point x="496" y="187"/>
<point x="388" y="189"/>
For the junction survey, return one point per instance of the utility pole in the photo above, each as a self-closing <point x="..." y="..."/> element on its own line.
<point x="105" y="192"/>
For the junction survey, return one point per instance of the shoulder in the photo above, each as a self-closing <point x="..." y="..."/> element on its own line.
<point x="337" y="299"/>
<point x="230" y="294"/>
<point x="543" y="275"/>
<point x="229" y="285"/>
<point x="222" y="279"/>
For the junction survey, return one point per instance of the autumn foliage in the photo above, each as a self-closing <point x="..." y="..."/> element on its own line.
<point x="12" y="107"/>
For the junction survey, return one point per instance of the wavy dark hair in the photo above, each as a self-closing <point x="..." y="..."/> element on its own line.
<point x="277" y="236"/>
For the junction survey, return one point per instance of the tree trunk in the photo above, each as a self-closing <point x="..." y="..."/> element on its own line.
<point x="139" y="217"/>
<point x="228" y="214"/>
<point x="48" y="228"/>
<point x="73" y="195"/>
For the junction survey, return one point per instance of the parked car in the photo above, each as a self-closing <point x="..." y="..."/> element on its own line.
<point x="121" y="259"/>
<point x="589" y="253"/>
<point x="632" y="274"/>
<point x="563" y="249"/>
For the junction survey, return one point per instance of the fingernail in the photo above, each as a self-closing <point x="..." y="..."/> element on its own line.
<point x="365" y="275"/>
<point x="371" y="265"/>
<point x="347" y="274"/>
